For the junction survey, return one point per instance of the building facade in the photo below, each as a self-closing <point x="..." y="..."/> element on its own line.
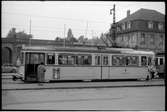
<point x="11" y="47"/>
<point x="144" y="29"/>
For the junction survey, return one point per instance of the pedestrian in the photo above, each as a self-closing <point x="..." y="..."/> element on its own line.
<point x="152" y="70"/>
<point x="41" y="73"/>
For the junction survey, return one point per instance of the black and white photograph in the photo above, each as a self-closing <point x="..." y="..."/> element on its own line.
<point x="83" y="55"/>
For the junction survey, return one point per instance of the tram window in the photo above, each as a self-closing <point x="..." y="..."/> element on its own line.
<point x="60" y="60"/>
<point x="97" y="60"/>
<point x="149" y="60"/>
<point x="87" y="60"/>
<point x="156" y="61"/>
<point x="132" y="60"/>
<point x="135" y="60"/>
<point x="41" y="58"/>
<point x="71" y="60"/>
<point x="74" y="60"/>
<point x="161" y="61"/>
<point x="105" y="60"/>
<point x="34" y="59"/>
<point x="80" y="60"/>
<point x="50" y="59"/>
<point x="84" y="60"/>
<point x="63" y="60"/>
<point x="143" y="60"/>
<point x="118" y="61"/>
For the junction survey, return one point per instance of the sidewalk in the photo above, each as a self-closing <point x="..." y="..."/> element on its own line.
<point x="80" y="85"/>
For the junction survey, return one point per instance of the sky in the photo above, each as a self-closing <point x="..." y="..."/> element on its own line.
<point x="51" y="19"/>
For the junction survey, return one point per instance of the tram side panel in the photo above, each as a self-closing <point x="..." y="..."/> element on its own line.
<point x="72" y="73"/>
<point x="128" y="73"/>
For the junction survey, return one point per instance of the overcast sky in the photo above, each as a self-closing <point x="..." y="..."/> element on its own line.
<point x="51" y="19"/>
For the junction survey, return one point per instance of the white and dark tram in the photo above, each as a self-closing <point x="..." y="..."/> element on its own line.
<point x="84" y="63"/>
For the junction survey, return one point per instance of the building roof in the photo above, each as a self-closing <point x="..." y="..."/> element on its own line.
<point x="145" y="14"/>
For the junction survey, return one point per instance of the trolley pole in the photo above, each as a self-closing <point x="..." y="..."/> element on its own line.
<point x="101" y="68"/>
<point x="64" y="35"/>
<point x="30" y="32"/>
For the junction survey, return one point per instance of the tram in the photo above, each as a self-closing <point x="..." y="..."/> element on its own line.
<point x="160" y="64"/>
<point x="85" y="63"/>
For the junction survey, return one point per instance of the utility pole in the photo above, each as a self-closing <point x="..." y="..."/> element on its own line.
<point x="30" y="32"/>
<point x="92" y="33"/>
<point x="86" y="29"/>
<point x="113" y="27"/>
<point x="64" y="35"/>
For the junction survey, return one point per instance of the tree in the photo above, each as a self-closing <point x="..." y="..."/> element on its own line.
<point x="81" y="39"/>
<point x="58" y="39"/>
<point x="11" y="33"/>
<point x="22" y="35"/>
<point x="70" y="36"/>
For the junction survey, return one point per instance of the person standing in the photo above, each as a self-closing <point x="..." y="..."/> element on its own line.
<point x="41" y="73"/>
<point x="152" y="71"/>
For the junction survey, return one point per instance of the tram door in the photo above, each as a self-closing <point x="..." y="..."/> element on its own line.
<point x="32" y="60"/>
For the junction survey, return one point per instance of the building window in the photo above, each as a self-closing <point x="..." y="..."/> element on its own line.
<point x="160" y="26"/>
<point x="129" y="25"/>
<point x="152" y="39"/>
<point x="150" y="25"/>
<point x="123" y="26"/>
<point x="161" y="40"/>
<point x="142" y="38"/>
<point x="118" y="29"/>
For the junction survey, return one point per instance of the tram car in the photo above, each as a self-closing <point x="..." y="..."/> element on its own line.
<point x="85" y="63"/>
<point x="160" y="64"/>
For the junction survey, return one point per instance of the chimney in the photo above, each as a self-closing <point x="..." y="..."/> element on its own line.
<point x="128" y="13"/>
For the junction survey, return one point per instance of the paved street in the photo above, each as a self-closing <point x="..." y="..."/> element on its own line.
<point x="129" y="98"/>
<point x="133" y="95"/>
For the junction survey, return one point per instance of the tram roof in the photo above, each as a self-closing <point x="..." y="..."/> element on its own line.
<point x="86" y="49"/>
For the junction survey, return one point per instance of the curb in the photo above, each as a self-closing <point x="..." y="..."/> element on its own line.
<point x="85" y="87"/>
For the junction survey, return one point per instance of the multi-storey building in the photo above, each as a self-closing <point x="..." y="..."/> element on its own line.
<point x="144" y="29"/>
